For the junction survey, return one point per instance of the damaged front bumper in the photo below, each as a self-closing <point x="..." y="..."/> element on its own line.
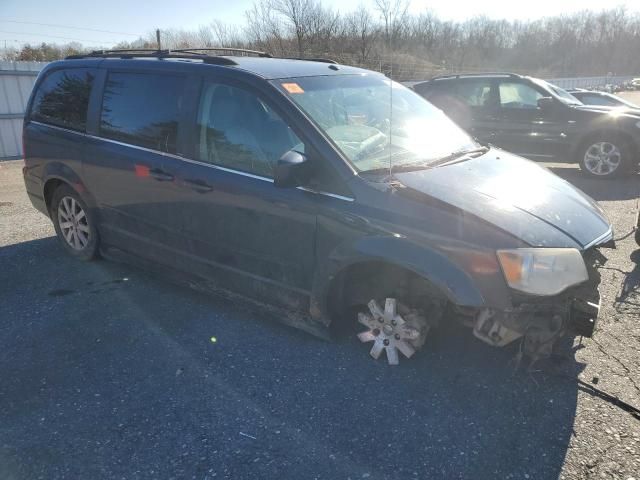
<point x="541" y="321"/>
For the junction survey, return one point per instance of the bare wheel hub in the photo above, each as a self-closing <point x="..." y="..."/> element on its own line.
<point x="390" y="332"/>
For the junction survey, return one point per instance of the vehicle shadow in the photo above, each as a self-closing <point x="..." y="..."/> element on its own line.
<point x="623" y="188"/>
<point x="108" y="370"/>
<point x="629" y="299"/>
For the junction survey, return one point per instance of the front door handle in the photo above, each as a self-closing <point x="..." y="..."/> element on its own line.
<point x="160" y="175"/>
<point x="199" y="186"/>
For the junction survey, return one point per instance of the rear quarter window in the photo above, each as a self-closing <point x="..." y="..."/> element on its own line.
<point x="62" y="98"/>
<point x="142" y="109"/>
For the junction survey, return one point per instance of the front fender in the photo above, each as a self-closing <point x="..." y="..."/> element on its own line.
<point x="449" y="278"/>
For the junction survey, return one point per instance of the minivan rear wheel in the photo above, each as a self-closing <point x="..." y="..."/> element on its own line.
<point x="605" y="157"/>
<point x="74" y="224"/>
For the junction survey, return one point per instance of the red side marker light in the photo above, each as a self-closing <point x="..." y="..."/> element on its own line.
<point x="142" y="171"/>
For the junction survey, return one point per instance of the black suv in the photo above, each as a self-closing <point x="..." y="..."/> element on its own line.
<point x="323" y="189"/>
<point x="532" y="118"/>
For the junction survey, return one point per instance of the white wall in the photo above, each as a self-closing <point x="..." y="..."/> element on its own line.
<point x="16" y="82"/>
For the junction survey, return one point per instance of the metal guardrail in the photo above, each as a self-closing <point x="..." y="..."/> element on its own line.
<point x="10" y="116"/>
<point x="590" y="82"/>
<point x="19" y="73"/>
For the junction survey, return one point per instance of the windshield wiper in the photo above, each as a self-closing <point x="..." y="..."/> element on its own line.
<point x="409" y="167"/>
<point x="460" y="156"/>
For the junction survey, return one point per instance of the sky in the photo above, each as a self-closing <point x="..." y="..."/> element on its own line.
<point x="105" y="23"/>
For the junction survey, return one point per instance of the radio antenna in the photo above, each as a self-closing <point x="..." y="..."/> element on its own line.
<point x="390" y="113"/>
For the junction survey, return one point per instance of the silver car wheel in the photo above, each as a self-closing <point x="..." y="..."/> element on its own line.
<point x="602" y="158"/>
<point x="72" y="220"/>
<point x="390" y="332"/>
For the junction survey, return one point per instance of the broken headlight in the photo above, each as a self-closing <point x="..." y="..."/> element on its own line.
<point x="542" y="271"/>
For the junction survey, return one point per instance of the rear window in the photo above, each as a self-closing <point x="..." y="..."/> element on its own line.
<point x="142" y="109"/>
<point x="62" y="98"/>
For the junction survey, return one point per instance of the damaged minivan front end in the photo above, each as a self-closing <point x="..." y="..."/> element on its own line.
<point x="450" y="229"/>
<point x="541" y="320"/>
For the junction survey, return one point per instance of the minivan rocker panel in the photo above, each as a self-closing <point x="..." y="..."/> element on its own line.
<point x="286" y="181"/>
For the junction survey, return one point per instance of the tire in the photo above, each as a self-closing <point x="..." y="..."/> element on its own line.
<point x="74" y="224"/>
<point x="605" y="156"/>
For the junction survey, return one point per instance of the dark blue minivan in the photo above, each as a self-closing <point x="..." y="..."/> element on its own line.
<point x="326" y="190"/>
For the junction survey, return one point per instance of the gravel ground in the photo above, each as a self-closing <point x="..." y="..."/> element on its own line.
<point x="109" y="372"/>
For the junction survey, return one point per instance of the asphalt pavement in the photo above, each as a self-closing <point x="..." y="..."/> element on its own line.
<point x="107" y="371"/>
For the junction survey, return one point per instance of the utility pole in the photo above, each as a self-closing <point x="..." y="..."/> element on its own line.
<point x="158" y="38"/>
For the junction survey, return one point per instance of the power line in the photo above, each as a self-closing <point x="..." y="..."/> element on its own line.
<point x="58" y="37"/>
<point x="69" y="27"/>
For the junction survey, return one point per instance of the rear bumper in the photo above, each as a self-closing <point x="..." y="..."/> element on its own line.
<point x="33" y="186"/>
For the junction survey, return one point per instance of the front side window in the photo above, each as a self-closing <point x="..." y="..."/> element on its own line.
<point x="564" y="96"/>
<point x="596" y="100"/>
<point x="142" y="109"/>
<point x="238" y="130"/>
<point x="62" y="98"/>
<point x="475" y="93"/>
<point x="518" y="95"/>
<point x="376" y="123"/>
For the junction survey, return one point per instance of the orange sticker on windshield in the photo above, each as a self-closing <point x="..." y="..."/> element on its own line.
<point x="292" y="88"/>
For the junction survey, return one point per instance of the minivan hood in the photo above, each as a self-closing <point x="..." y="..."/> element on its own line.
<point x="517" y="196"/>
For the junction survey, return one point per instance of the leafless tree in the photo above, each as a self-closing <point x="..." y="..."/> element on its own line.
<point x="382" y="35"/>
<point x="360" y="26"/>
<point x="394" y="16"/>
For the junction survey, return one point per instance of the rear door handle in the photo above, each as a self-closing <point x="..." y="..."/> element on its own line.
<point x="160" y="175"/>
<point x="199" y="186"/>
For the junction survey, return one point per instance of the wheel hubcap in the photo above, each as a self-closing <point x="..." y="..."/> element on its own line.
<point x="73" y="223"/>
<point x="389" y="331"/>
<point x="602" y="158"/>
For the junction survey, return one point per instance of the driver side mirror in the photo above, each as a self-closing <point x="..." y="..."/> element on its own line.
<point x="545" y="103"/>
<point x="292" y="170"/>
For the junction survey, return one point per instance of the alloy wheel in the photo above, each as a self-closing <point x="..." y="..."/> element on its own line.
<point x="602" y="158"/>
<point x="72" y="220"/>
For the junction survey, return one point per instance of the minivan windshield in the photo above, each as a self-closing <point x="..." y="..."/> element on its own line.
<point x="377" y="123"/>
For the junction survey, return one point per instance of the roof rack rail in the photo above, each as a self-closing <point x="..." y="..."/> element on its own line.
<point x="311" y="59"/>
<point x="188" y="53"/>
<point x="483" y="74"/>
<point x="244" y="51"/>
<point x="222" y="57"/>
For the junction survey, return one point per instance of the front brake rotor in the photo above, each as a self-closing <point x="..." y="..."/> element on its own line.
<point x="390" y="332"/>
